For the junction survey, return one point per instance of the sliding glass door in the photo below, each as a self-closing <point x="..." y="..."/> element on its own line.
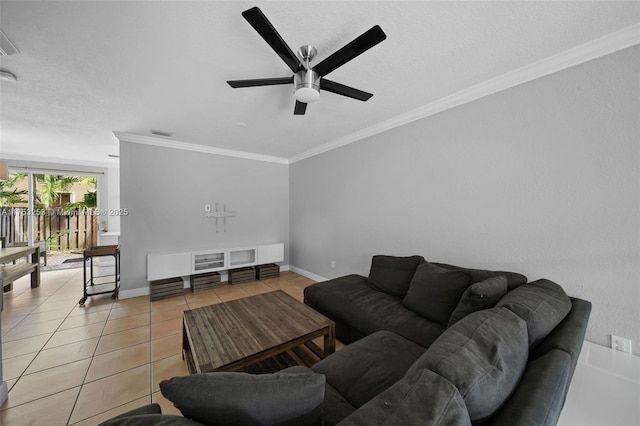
<point x="59" y="212"/>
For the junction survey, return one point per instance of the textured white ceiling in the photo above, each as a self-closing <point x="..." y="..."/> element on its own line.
<point x="87" y="68"/>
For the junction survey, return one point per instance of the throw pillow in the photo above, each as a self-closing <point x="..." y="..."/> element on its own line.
<point x="435" y="292"/>
<point x="479" y="296"/>
<point x="514" y="279"/>
<point x="391" y="274"/>
<point x="483" y="355"/>
<point x="423" y="398"/>
<point x="542" y="304"/>
<point x="247" y="399"/>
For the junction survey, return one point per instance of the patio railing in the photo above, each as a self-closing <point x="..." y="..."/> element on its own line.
<point x="62" y="230"/>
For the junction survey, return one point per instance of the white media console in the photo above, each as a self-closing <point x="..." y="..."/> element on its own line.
<point x="184" y="263"/>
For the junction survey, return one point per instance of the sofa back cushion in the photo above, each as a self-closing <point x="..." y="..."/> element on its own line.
<point x="367" y="367"/>
<point x="569" y="335"/>
<point x="514" y="279"/>
<point x="392" y="274"/>
<point x="435" y="292"/>
<point x="479" y="296"/>
<point x="483" y="355"/>
<point x="542" y="304"/>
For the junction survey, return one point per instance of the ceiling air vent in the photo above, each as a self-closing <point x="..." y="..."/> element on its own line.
<point x="6" y="47"/>
<point x="161" y="133"/>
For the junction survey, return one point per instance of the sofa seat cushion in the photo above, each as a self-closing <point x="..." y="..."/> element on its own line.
<point x="392" y="274"/>
<point x="435" y="292"/>
<point x="350" y="300"/>
<point x="542" y="304"/>
<point x="335" y="408"/>
<point x="483" y="355"/>
<point x="479" y="296"/>
<point x="363" y="369"/>
<point x="514" y="279"/>
<point x="248" y="399"/>
<point x="423" y="398"/>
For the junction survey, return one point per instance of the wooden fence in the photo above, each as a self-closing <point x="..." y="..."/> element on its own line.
<point x="63" y="230"/>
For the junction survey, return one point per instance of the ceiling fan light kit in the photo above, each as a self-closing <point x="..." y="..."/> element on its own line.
<point x="307" y="84"/>
<point x="308" y="81"/>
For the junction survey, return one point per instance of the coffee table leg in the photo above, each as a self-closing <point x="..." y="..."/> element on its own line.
<point x="330" y="341"/>
<point x="185" y="339"/>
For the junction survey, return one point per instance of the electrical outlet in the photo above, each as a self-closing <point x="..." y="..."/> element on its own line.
<point x="620" y="344"/>
<point x="207" y="208"/>
<point x="333" y="264"/>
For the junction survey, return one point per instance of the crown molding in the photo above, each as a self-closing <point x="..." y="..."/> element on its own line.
<point x="594" y="49"/>
<point x="170" y="143"/>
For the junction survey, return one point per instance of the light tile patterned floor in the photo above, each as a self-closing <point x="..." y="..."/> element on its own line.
<point x="71" y="365"/>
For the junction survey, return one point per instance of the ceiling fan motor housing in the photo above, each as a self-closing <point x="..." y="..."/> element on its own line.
<point x="307" y="86"/>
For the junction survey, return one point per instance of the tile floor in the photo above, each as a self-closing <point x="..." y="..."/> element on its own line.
<point x="71" y="365"/>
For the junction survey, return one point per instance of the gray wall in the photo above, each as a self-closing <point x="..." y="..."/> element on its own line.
<point x="165" y="191"/>
<point x="543" y="179"/>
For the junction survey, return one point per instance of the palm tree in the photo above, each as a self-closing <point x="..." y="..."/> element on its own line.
<point x="89" y="199"/>
<point x="50" y="186"/>
<point x="89" y="180"/>
<point x="10" y="196"/>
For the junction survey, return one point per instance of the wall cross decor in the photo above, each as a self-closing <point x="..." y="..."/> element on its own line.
<point x="220" y="214"/>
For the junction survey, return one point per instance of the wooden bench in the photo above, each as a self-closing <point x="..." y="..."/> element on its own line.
<point x="9" y="273"/>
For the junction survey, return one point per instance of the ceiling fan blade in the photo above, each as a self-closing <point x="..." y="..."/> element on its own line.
<point x="261" y="24"/>
<point x="341" y="89"/>
<point x="260" y="82"/>
<point x="358" y="46"/>
<point x="300" y="108"/>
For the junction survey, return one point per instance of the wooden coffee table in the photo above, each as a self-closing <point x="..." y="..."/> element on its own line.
<point x="232" y="335"/>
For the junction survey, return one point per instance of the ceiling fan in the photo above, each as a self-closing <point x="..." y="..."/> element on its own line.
<point x="307" y="80"/>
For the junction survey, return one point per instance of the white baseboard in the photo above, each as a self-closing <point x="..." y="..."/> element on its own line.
<point x="307" y="274"/>
<point x="134" y="292"/>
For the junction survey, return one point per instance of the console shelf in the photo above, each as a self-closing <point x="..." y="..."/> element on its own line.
<point x="242" y="257"/>
<point x="209" y="261"/>
<point x="185" y="263"/>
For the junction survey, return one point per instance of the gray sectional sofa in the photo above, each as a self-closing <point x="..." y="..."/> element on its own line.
<point x="390" y="341"/>
<point x="428" y="344"/>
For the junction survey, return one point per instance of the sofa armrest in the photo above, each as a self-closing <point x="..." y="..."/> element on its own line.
<point x="539" y="397"/>
<point x="150" y="420"/>
<point x="153" y="408"/>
